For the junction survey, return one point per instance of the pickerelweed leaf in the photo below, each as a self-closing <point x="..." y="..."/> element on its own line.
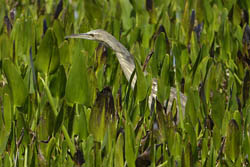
<point x="50" y="147"/>
<point x="58" y="29"/>
<point x="125" y="14"/>
<point x="163" y="82"/>
<point x="129" y="143"/>
<point x="5" y="52"/>
<point x="5" y="129"/>
<point x="119" y="160"/>
<point x="233" y="139"/>
<point x="159" y="55"/>
<point x="58" y="83"/>
<point x="17" y="86"/>
<point x="77" y="87"/>
<point x="187" y="156"/>
<point x="47" y="59"/>
<point x="102" y="114"/>
<point x="141" y="84"/>
<point x="218" y="109"/>
<point x="59" y="119"/>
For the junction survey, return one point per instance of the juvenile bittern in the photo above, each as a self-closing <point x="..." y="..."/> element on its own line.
<point x="126" y="61"/>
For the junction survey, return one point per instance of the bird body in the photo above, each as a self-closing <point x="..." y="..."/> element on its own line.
<point x="126" y="61"/>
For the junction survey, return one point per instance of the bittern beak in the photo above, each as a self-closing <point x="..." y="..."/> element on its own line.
<point x="81" y="36"/>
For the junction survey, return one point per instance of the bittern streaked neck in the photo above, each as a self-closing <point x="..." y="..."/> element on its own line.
<point x="126" y="61"/>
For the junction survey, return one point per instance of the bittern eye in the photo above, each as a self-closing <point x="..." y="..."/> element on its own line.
<point x="92" y="35"/>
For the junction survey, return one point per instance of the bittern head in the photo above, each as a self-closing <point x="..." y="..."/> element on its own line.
<point x="104" y="37"/>
<point x="96" y="35"/>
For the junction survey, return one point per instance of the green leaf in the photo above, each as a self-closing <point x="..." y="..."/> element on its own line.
<point x="5" y="129"/>
<point x="218" y="108"/>
<point x="129" y="145"/>
<point x="200" y="71"/>
<point x="58" y="83"/>
<point x="141" y="84"/>
<point x="187" y="156"/>
<point x="232" y="143"/>
<point x="146" y="32"/>
<point x="194" y="49"/>
<point x="77" y="87"/>
<point x="89" y="152"/>
<point x="65" y="56"/>
<point x="47" y="59"/>
<point x="80" y="127"/>
<point x="58" y="29"/>
<point x="59" y="119"/>
<point x="102" y="114"/>
<point x="119" y="161"/>
<point x="18" y="88"/>
<point x="229" y="4"/>
<point x="50" y="147"/>
<point x="236" y="15"/>
<point x="5" y="44"/>
<point x="159" y="55"/>
<point x="23" y="34"/>
<point x="191" y="136"/>
<point x="125" y="16"/>
<point x="163" y="82"/>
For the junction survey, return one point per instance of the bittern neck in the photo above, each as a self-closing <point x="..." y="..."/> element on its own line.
<point x="124" y="57"/>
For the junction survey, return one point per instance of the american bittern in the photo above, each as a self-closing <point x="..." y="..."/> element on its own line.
<point x="126" y="61"/>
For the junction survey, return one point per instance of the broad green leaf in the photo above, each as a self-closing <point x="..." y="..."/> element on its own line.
<point x="126" y="8"/>
<point x="218" y="108"/>
<point x="217" y="137"/>
<point x="5" y="51"/>
<point x="80" y="127"/>
<point x="159" y="55"/>
<point x="7" y="112"/>
<point x="89" y="152"/>
<point x="58" y="83"/>
<point x="51" y="145"/>
<point x="5" y="128"/>
<point x="204" y="149"/>
<point x="77" y="87"/>
<point x="102" y="114"/>
<point x="163" y="82"/>
<point x="229" y="4"/>
<point x="193" y="105"/>
<point x="177" y="145"/>
<point x="47" y="59"/>
<point x="141" y="84"/>
<point x="129" y="145"/>
<point x="146" y="32"/>
<point x="58" y="29"/>
<point x="177" y="53"/>
<point x="207" y="11"/>
<point x="59" y="119"/>
<point x="200" y="71"/>
<point x="83" y="123"/>
<point x="23" y="34"/>
<point x="139" y="5"/>
<point x="236" y="15"/>
<point x="187" y="157"/>
<point x="246" y="144"/>
<point x="134" y="35"/>
<point x="233" y="140"/>
<point x="194" y="49"/>
<point x="191" y="136"/>
<point x="18" y="88"/>
<point x="65" y="56"/>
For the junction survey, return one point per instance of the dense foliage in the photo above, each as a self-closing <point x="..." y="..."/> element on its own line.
<point x="67" y="102"/>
